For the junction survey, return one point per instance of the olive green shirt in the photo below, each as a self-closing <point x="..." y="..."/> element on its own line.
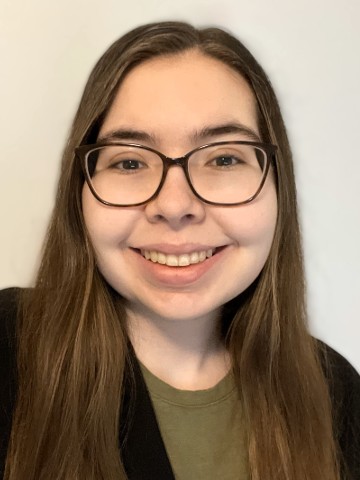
<point x="202" y="430"/>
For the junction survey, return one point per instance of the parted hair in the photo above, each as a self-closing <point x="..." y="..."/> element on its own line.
<point x="72" y="340"/>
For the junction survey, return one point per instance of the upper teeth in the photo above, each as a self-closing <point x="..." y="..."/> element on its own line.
<point x="177" y="260"/>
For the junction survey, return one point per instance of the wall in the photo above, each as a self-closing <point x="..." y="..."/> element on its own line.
<point x="309" y="49"/>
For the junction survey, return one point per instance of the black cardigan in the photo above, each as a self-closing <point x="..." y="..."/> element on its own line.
<point x="142" y="448"/>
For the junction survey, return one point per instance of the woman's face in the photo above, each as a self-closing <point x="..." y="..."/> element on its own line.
<point x="171" y="100"/>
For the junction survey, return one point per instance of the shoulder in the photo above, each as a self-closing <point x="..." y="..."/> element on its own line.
<point x="9" y="299"/>
<point x="344" y="380"/>
<point x="344" y="386"/>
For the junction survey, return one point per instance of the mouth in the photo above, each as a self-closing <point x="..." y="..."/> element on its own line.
<point x="181" y="260"/>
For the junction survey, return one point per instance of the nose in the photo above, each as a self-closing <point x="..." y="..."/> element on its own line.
<point x="175" y="204"/>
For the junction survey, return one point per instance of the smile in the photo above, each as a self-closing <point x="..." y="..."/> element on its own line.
<point x="182" y="260"/>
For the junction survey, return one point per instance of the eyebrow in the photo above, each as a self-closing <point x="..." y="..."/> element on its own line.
<point x="196" y="136"/>
<point x="228" y="128"/>
<point x="127" y="134"/>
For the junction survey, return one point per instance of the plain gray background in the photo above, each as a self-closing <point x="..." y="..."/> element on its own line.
<point x="311" y="51"/>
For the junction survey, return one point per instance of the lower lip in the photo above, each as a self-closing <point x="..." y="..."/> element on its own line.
<point x="177" y="276"/>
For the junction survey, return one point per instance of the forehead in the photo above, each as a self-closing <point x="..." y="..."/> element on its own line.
<point x="177" y="95"/>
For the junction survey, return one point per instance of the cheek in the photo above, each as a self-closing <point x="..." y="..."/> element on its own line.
<point x="106" y="226"/>
<point x="252" y="225"/>
<point x="261" y="225"/>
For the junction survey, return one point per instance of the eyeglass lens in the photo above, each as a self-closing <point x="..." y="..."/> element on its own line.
<point x="126" y="175"/>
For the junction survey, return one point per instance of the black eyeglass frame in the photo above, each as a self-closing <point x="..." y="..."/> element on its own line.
<point x="82" y="152"/>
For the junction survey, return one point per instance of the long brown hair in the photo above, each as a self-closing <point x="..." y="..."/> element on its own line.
<point x="72" y="341"/>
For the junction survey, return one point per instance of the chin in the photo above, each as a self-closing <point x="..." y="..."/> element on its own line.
<point x="172" y="310"/>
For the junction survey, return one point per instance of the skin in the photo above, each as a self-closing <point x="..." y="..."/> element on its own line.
<point x="170" y="98"/>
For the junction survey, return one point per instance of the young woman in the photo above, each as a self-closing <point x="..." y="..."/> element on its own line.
<point x="166" y="335"/>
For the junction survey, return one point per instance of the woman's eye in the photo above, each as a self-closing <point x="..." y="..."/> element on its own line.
<point x="225" y="161"/>
<point x="128" y="165"/>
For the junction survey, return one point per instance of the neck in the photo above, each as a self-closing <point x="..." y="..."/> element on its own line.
<point x="187" y="354"/>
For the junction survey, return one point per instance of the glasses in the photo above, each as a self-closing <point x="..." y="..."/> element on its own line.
<point x="222" y="173"/>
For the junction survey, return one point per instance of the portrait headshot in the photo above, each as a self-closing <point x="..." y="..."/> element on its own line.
<point x="179" y="297"/>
